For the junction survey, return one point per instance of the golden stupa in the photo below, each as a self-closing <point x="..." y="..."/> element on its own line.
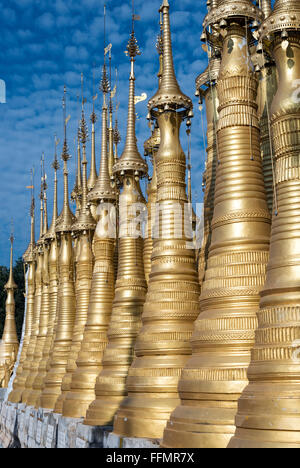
<point x="66" y="292"/>
<point x="94" y="341"/>
<point x="83" y="231"/>
<point x="130" y="288"/>
<point x="171" y="306"/>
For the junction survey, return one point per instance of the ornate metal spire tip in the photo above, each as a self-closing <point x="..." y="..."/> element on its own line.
<point x="132" y="49"/>
<point x="105" y="84"/>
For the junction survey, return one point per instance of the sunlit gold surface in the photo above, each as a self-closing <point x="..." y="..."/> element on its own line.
<point x="215" y="376"/>
<point x="171" y="306"/>
<point x="50" y="281"/>
<point x="66" y="307"/>
<point x="130" y="288"/>
<point x="151" y="147"/>
<point x="125" y="321"/>
<point x="208" y="78"/>
<point x="94" y="341"/>
<point x="266" y="91"/>
<point x="66" y="317"/>
<point x="36" y="320"/>
<point x="83" y="230"/>
<point x="269" y="409"/>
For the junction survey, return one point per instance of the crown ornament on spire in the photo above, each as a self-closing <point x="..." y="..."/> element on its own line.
<point x="131" y="159"/>
<point x="103" y="190"/>
<point x="169" y="94"/>
<point x="233" y="10"/>
<point x="55" y="164"/>
<point x="66" y="219"/>
<point x="85" y="220"/>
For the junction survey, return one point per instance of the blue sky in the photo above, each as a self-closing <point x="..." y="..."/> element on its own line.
<point x="48" y="43"/>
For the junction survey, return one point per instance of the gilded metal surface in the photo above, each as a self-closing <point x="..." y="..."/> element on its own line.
<point x="83" y="229"/>
<point x="65" y="324"/>
<point x="266" y="7"/>
<point x="94" y="341"/>
<point x="151" y="147"/>
<point x="169" y="91"/>
<point x="125" y="324"/>
<point x="130" y="288"/>
<point x="269" y="409"/>
<point x="285" y="16"/>
<point x="216" y="374"/>
<point x="266" y="92"/>
<point x="38" y="383"/>
<point x="172" y="302"/>
<point x="66" y="295"/>
<point x="51" y="279"/>
<point x="93" y="171"/>
<point x="9" y="342"/>
<point x="208" y="78"/>
<point x="233" y="9"/>
<point x="111" y="156"/>
<point x="29" y="258"/>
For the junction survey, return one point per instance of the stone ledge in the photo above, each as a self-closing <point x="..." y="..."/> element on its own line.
<point x="27" y="427"/>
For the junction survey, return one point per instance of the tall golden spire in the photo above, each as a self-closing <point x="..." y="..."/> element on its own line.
<point x="82" y="388"/>
<point x="151" y="147"/>
<point x="49" y="298"/>
<point x="269" y="408"/>
<point x="30" y="395"/>
<point x="66" y="292"/>
<point x="131" y="158"/>
<point x="130" y="290"/>
<point x="9" y="343"/>
<point x="31" y="363"/>
<point x="103" y="189"/>
<point x="169" y="92"/>
<point x="29" y="258"/>
<point x="11" y="283"/>
<point x="172" y="302"/>
<point x="83" y="230"/>
<point x="206" y="89"/>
